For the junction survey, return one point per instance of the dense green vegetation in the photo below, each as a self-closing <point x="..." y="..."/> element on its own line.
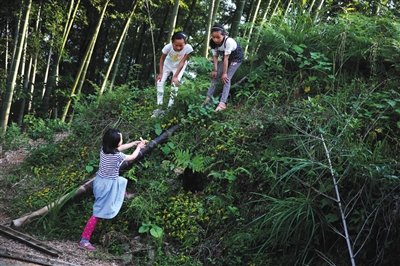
<point x="317" y="118"/>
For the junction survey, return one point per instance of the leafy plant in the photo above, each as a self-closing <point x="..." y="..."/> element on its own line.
<point x="184" y="159"/>
<point x="154" y="230"/>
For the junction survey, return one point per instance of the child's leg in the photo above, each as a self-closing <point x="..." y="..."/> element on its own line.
<point x="214" y="81"/>
<point x="227" y="86"/>
<point x="160" y="84"/>
<point x="89" y="228"/>
<point x="174" y="89"/>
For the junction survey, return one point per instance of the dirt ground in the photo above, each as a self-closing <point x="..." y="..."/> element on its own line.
<point x="71" y="254"/>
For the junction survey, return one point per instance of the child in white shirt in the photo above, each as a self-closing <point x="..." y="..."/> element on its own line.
<point x="173" y="60"/>
<point x="230" y="52"/>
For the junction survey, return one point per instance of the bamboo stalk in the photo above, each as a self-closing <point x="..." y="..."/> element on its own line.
<point x="28" y="217"/>
<point x="339" y="202"/>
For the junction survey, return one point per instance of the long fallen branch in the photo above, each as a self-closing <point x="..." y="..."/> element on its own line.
<point x="87" y="186"/>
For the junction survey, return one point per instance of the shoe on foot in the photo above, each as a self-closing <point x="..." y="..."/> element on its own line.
<point x="129" y="195"/>
<point x="157" y="113"/>
<point x="86" y="245"/>
<point x="221" y="106"/>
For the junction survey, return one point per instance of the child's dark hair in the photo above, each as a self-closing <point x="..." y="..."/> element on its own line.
<point x="111" y="139"/>
<point x="180" y="35"/>
<point x="218" y="27"/>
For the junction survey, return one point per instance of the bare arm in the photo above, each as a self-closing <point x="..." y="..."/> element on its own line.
<point x="161" y="67"/>
<point x="128" y="145"/>
<point x="179" y="69"/>
<point x="135" y="154"/>
<point x="224" y="76"/>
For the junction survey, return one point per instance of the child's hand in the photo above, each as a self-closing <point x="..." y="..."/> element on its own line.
<point x="225" y="78"/>
<point x="158" y="78"/>
<point x="143" y="142"/>
<point x="214" y="74"/>
<point x="175" y="81"/>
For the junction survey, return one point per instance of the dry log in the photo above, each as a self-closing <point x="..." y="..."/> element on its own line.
<point x="87" y="186"/>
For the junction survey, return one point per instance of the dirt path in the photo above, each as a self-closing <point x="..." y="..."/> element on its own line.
<point x="72" y="255"/>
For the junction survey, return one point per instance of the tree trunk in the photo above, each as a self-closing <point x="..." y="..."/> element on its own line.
<point x="160" y="41"/>
<point x="152" y="37"/>
<point x="249" y="12"/>
<point x="46" y="73"/>
<point x="6" y="55"/>
<point x="32" y="83"/>
<point x="121" y="38"/>
<point x="253" y="20"/>
<point x="16" y="39"/>
<point x="32" y="77"/>
<point x="25" y="74"/>
<point x="237" y="18"/>
<point x="287" y="9"/>
<point x="215" y="11"/>
<point x="23" y="69"/>
<point x="275" y="9"/>
<point x="58" y="55"/>
<point x="80" y="77"/>
<point x="5" y="112"/>
<point x="174" y="15"/>
<point x="117" y="63"/>
<point x="311" y="7"/>
<point x="208" y="29"/>
<point x="26" y="77"/>
<point x="318" y="10"/>
<point x="263" y="20"/>
<point x="189" y="16"/>
<point x="132" y="54"/>
<point x="139" y="48"/>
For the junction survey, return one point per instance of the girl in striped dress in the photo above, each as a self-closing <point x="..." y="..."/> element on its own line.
<point x="109" y="188"/>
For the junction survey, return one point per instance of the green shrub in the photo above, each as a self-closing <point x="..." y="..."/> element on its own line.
<point x="40" y="128"/>
<point x="14" y="138"/>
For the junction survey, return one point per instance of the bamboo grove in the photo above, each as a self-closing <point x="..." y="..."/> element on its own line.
<point x="54" y="52"/>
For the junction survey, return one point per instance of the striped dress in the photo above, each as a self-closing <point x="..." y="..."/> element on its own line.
<point x="108" y="187"/>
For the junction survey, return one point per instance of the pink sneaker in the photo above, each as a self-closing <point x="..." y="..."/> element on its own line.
<point x="129" y="195"/>
<point x="221" y="106"/>
<point x="87" y="246"/>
